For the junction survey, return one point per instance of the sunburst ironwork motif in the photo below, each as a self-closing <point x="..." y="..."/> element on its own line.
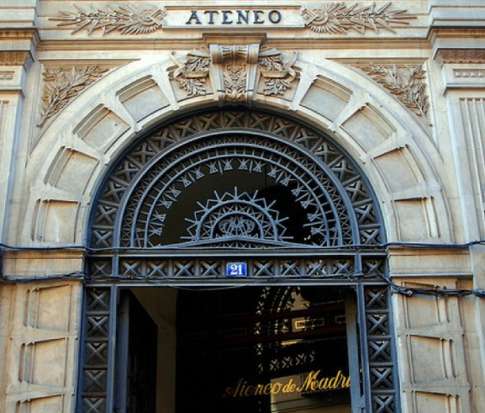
<point x="236" y="215"/>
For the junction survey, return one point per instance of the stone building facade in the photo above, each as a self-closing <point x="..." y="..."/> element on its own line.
<point x="88" y="89"/>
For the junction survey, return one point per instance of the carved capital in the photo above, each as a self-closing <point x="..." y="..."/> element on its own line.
<point x="407" y="82"/>
<point x="63" y="84"/>
<point x="341" y="18"/>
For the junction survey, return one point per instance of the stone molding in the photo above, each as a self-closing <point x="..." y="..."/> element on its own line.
<point x="464" y="76"/>
<point x="407" y="82"/>
<point x="341" y="18"/>
<point x="126" y="19"/>
<point x="460" y="56"/>
<point x="63" y="84"/>
<point x="14" y="58"/>
<point x="7" y="74"/>
<point x="233" y="70"/>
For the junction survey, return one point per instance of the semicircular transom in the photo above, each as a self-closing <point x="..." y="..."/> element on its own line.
<point x="235" y="178"/>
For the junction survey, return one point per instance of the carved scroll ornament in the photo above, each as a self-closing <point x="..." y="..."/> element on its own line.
<point x="406" y="82"/>
<point x="340" y="18"/>
<point x="123" y="19"/>
<point x="233" y="70"/>
<point x="62" y="85"/>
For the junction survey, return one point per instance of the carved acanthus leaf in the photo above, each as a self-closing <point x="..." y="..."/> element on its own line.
<point x="277" y="73"/>
<point x="62" y="85"/>
<point x="192" y="74"/>
<point x="340" y="18"/>
<point x="124" y="19"/>
<point x="406" y="82"/>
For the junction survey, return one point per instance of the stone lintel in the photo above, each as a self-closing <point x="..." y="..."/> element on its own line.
<point x="33" y="262"/>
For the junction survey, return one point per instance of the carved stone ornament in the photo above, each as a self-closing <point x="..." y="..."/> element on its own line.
<point x="406" y="82"/>
<point x="473" y="56"/>
<point x="233" y="71"/>
<point x="14" y="58"/>
<point x="277" y="73"/>
<point x="192" y="75"/>
<point x="62" y="85"/>
<point x="7" y="74"/>
<point x="340" y="18"/>
<point x="124" y="19"/>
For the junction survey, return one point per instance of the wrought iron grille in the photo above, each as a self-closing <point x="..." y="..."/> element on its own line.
<point x="142" y="231"/>
<point x="149" y="181"/>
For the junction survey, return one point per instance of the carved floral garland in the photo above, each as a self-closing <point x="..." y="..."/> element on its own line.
<point x="62" y="85"/>
<point x="124" y="19"/>
<point x="340" y="18"/>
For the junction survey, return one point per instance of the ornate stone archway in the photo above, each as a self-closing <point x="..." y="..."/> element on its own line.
<point x="241" y="184"/>
<point x="82" y="141"/>
<point x="80" y="145"/>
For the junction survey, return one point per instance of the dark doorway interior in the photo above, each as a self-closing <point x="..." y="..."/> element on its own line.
<point x="137" y="351"/>
<point x="238" y="350"/>
<point x="277" y="349"/>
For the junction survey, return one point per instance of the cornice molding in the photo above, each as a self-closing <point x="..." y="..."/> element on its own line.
<point x="14" y="58"/>
<point x="31" y="34"/>
<point x="470" y="56"/>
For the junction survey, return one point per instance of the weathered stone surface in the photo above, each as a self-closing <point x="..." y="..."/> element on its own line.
<point x="427" y="176"/>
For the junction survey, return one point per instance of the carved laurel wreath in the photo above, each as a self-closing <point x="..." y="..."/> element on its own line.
<point x="124" y="19"/>
<point x="340" y="18"/>
<point x="406" y="82"/>
<point x="62" y="85"/>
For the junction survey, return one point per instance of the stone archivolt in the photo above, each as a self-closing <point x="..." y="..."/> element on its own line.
<point x="63" y="84"/>
<point x="123" y="19"/>
<point x="340" y="18"/>
<point x="234" y="71"/>
<point x="406" y="82"/>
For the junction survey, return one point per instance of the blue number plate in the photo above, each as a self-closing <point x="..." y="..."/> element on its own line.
<point x="236" y="269"/>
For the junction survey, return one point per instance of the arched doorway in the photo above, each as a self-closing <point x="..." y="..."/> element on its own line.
<point x="239" y="197"/>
